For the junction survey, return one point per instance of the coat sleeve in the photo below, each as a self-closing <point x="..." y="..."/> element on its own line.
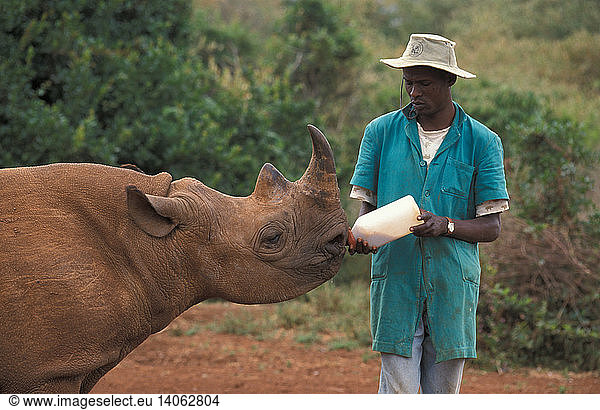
<point x="366" y="170"/>
<point x="490" y="180"/>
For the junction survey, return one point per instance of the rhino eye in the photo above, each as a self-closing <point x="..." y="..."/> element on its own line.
<point x="270" y="238"/>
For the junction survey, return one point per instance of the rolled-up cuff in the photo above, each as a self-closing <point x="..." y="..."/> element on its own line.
<point x="492" y="206"/>
<point x="363" y="194"/>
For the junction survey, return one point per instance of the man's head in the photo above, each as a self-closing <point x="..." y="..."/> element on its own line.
<point x="428" y="89"/>
<point x="429" y="70"/>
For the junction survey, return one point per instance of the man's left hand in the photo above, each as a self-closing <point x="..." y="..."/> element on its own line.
<point x="433" y="225"/>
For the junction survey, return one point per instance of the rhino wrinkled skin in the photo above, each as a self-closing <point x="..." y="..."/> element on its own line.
<point x="94" y="258"/>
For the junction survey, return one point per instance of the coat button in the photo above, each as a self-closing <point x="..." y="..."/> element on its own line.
<point x="426" y="193"/>
<point x="422" y="163"/>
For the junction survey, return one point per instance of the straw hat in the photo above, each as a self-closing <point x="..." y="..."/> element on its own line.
<point x="429" y="50"/>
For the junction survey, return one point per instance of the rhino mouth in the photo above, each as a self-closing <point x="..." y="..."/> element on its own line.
<point x="326" y="264"/>
<point x="329" y="267"/>
<point x="335" y="247"/>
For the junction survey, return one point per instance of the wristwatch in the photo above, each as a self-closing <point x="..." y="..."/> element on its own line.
<point x="450" y="226"/>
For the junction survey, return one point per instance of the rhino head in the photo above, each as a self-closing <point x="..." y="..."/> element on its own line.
<point x="281" y="241"/>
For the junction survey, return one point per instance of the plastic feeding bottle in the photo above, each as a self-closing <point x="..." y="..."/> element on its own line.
<point x="390" y="222"/>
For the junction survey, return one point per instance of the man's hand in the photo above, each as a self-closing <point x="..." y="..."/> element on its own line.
<point x="433" y="225"/>
<point x="358" y="245"/>
<point x="485" y="228"/>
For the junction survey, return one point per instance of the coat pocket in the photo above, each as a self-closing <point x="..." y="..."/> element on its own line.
<point x="457" y="178"/>
<point x="380" y="263"/>
<point x="468" y="256"/>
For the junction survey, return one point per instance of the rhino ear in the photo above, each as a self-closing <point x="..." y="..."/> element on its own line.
<point x="153" y="214"/>
<point x="270" y="184"/>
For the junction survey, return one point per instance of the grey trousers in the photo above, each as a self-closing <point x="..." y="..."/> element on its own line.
<point x="420" y="373"/>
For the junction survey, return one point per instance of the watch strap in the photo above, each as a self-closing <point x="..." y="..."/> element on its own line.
<point x="450" y="221"/>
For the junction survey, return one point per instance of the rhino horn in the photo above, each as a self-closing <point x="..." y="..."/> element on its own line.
<point x="271" y="184"/>
<point x="319" y="179"/>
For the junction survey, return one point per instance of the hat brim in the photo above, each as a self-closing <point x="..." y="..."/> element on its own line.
<point x="404" y="63"/>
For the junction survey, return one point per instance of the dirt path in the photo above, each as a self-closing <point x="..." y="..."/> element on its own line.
<point x="208" y="362"/>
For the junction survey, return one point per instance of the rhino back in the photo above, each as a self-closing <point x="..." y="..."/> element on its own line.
<point x="68" y="206"/>
<point x="64" y="281"/>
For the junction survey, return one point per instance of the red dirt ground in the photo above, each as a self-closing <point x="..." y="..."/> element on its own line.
<point x="208" y="362"/>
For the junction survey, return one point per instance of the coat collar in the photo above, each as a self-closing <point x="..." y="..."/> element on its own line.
<point x="453" y="133"/>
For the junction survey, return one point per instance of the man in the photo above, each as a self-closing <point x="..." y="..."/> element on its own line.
<point x="425" y="287"/>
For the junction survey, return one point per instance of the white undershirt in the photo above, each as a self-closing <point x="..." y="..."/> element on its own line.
<point x="430" y="142"/>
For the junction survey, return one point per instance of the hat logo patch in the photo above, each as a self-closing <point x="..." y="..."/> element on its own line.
<point x="416" y="49"/>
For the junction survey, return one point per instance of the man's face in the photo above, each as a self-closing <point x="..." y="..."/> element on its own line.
<point x="428" y="88"/>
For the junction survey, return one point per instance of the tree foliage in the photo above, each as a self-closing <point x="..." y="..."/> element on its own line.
<point x="518" y="330"/>
<point x="125" y="82"/>
<point x="319" y="50"/>
<point x="549" y="166"/>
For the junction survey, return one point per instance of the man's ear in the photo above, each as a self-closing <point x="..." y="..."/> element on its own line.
<point x="155" y="215"/>
<point x="451" y="79"/>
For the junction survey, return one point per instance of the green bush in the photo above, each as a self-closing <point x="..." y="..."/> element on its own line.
<point x="517" y="330"/>
<point x="317" y="50"/>
<point x="126" y="82"/>
<point x="549" y="166"/>
<point x="553" y="179"/>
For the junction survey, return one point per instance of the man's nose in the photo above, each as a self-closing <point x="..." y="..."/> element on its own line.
<point x="413" y="90"/>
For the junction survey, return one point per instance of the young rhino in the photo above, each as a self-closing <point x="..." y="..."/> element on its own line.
<point x="94" y="258"/>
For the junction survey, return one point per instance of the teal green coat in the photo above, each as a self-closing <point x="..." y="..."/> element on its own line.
<point x="466" y="171"/>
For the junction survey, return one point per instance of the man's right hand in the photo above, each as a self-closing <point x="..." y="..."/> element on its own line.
<point x="358" y="245"/>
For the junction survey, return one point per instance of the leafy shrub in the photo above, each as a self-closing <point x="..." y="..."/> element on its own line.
<point x="592" y="227"/>
<point x="126" y="82"/>
<point x="554" y="178"/>
<point x="318" y="51"/>
<point x="549" y="166"/>
<point x="540" y="307"/>
<point x="516" y="330"/>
